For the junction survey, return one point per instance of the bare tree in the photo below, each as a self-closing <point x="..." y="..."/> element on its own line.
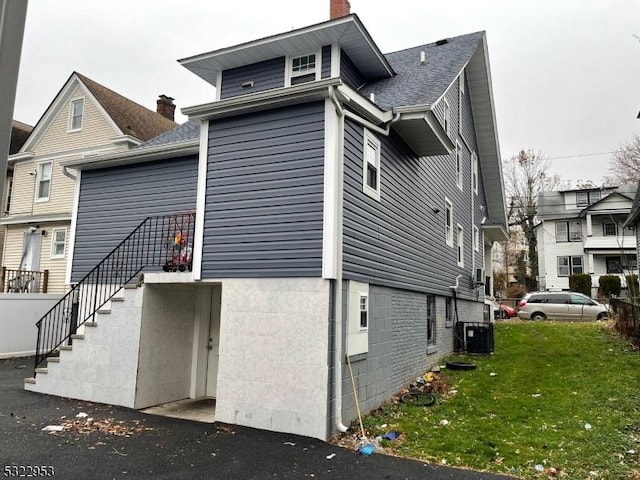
<point x="527" y="174"/>
<point x="625" y="163"/>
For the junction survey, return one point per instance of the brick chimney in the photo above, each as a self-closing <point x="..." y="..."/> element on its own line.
<point x="166" y="107"/>
<point x="339" y="8"/>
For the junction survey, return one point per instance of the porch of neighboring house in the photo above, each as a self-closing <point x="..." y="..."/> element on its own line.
<point x="23" y="281"/>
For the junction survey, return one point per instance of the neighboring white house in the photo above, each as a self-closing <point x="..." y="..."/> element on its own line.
<point x="581" y="231"/>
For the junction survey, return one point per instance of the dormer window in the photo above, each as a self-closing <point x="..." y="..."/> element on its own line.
<point x="303" y="69"/>
<point x="584" y="199"/>
<point x="75" y="114"/>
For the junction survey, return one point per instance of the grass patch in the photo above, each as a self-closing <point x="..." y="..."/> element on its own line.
<point x="552" y="382"/>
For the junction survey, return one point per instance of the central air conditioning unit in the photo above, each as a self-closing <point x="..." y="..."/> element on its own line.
<point x="479" y="277"/>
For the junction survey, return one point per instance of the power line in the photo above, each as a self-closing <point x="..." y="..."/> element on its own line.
<point x="582" y="155"/>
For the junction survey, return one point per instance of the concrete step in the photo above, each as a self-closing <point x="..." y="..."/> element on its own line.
<point x="53" y="359"/>
<point x="90" y="324"/>
<point x="77" y="336"/>
<point x="117" y="299"/>
<point x="66" y="347"/>
<point x="30" y="380"/>
<point x="104" y="311"/>
<point x="42" y="370"/>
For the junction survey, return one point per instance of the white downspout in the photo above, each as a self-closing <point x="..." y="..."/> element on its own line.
<point x="338" y="323"/>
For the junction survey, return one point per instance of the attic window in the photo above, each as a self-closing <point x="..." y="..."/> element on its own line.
<point x="76" y="113"/>
<point x="584" y="199"/>
<point x="303" y="69"/>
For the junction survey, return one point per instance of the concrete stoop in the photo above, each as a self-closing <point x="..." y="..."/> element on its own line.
<point x="101" y="363"/>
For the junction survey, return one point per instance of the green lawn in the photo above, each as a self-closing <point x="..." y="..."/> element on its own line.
<point x="561" y="395"/>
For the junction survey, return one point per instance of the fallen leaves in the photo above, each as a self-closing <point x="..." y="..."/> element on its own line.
<point x="87" y="425"/>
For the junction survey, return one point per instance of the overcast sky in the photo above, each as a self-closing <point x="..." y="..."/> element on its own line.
<point x="566" y="73"/>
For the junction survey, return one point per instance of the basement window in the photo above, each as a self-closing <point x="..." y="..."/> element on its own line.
<point x="358" y="319"/>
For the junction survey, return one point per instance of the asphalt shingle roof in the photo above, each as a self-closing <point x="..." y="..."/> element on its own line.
<point x="187" y="131"/>
<point x="423" y="84"/>
<point x="19" y="133"/>
<point x="132" y="118"/>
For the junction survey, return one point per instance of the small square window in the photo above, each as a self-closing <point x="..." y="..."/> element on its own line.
<point x="76" y="113"/>
<point x="303" y="69"/>
<point x="58" y="239"/>
<point x="610" y="229"/>
<point x="371" y="166"/>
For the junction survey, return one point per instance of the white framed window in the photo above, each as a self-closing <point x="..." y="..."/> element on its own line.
<point x="584" y="199"/>
<point x="363" y="303"/>
<point x="58" y="242"/>
<point x="476" y="239"/>
<point x="609" y="229"/>
<point x="568" y="265"/>
<point x="43" y="183"/>
<point x="458" y="166"/>
<point x="359" y="318"/>
<point x="371" y="165"/>
<point x="569" y="231"/>
<point x="474" y="172"/>
<point x="448" y="222"/>
<point x="447" y="117"/>
<point x="76" y="114"/>
<point x="460" y="245"/>
<point x="303" y="68"/>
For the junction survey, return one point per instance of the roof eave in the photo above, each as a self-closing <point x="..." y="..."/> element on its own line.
<point x="142" y="155"/>
<point x="348" y="28"/>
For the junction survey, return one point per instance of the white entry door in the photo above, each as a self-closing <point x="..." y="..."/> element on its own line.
<point x="213" y="343"/>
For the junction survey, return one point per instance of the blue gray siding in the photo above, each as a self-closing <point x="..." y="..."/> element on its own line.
<point x="400" y="241"/>
<point x="264" y="203"/>
<point x="349" y="72"/>
<point x="264" y="75"/>
<point x="113" y="201"/>
<point x="397" y="347"/>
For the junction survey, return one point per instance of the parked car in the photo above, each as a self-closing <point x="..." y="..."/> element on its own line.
<point x="504" y="311"/>
<point x="561" y="306"/>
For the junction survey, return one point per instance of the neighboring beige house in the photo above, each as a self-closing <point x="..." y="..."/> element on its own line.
<point x="84" y="120"/>
<point x="19" y="134"/>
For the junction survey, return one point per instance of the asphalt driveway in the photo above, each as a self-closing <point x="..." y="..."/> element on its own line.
<point x="120" y="443"/>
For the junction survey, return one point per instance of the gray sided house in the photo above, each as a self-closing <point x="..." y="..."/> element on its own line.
<point x="341" y="203"/>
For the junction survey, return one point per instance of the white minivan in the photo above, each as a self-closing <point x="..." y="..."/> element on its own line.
<point x="561" y="306"/>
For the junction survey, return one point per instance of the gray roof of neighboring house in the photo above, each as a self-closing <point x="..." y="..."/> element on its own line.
<point x="551" y="204"/>
<point x="419" y="83"/>
<point x="187" y="131"/>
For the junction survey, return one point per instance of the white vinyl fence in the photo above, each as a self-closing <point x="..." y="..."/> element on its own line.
<point x="19" y="313"/>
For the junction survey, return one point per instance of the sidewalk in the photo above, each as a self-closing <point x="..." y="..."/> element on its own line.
<point x="120" y="443"/>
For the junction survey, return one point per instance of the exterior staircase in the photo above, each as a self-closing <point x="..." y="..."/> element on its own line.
<point x="107" y="300"/>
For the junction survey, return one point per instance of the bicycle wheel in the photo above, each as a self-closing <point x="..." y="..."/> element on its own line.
<point x="419" y="399"/>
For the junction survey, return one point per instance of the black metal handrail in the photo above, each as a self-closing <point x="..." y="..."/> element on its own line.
<point x="162" y="241"/>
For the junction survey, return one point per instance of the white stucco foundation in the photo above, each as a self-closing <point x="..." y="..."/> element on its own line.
<point x="273" y="371"/>
<point x="103" y="366"/>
